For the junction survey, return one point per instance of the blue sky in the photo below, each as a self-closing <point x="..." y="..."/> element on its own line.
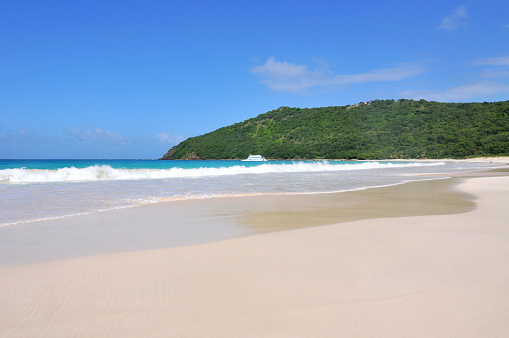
<point x="130" y="79"/>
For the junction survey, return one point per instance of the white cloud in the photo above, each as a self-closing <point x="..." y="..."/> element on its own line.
<point x="478" y="90"/>
<point x="166" y="138"/>
<point x="458" y="18"/>
<point x="280" y="70"/>
<point x="286" y="76"/>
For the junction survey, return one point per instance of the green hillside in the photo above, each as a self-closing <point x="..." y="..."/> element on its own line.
<point x="377" y="129"/>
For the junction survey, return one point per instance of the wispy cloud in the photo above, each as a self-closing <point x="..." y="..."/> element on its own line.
<point x="492" y="83"/>
<point x="398" y="73"/>
<point x="13" y="136"/>
<point x="290" y="77"/>
<point x="496" y="61"/>
<point x="495" y="67"/>
<point x="92" y="135"/>
<point x="480" y="90"/>
<point x="81" y="143"/>
<point x="458" y="19"/>
<point x="166" y="138"/>
<point x="495" y="73"/>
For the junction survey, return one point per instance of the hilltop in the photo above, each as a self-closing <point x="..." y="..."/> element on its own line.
<point x="379" y="129"/>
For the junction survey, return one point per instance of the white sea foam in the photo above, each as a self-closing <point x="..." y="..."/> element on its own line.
<point x="107" y="173"/>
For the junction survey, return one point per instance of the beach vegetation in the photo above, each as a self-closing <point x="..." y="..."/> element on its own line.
<point x="379" y="129"/>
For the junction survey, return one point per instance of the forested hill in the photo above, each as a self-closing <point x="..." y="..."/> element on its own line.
<point x="380" y="129"/>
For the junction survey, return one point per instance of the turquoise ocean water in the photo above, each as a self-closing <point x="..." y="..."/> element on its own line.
<point x="32" y="190"/>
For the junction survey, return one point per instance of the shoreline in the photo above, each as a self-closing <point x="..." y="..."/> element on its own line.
<point x="435" y="275"/>
<point x="190" y="222"/>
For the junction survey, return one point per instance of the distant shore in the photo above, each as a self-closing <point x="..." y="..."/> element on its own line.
<point x="500" y="159"/>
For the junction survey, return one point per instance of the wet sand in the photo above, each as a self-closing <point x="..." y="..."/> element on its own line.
<point x="200" y="221"/>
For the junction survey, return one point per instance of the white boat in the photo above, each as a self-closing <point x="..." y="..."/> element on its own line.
<point x="258" y="158"/>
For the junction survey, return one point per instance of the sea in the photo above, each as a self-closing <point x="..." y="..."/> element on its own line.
<point x="35" y="190"/>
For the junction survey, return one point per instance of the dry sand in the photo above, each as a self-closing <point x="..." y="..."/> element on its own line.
<point x="418" y="276"/>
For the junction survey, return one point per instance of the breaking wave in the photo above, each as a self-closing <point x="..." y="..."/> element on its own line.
<point x="107" y="173"/>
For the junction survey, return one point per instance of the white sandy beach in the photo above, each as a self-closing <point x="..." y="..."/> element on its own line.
<point x="422" y="276"/>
